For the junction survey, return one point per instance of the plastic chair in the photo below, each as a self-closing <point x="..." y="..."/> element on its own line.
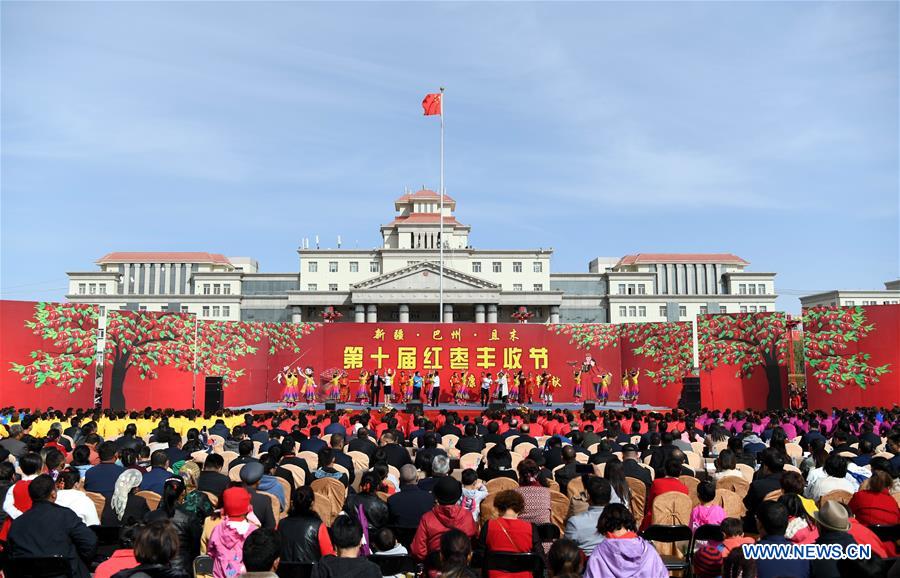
<point x="509" y="562"/>
<point x="670" y="535"/>
<point x="886" y="533"/>
<point x="203" y="566"/>
<point x="38" y="567"/>
<point x="548" y="532"/>
<point x="152" y="498"/>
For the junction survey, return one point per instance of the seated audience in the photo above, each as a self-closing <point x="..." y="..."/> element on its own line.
<point x="623" y="552"/>
<point x="261" y="553"/>
<point x="706" y="512"/>
<point x="507" y="533"/>
<point x="304" y="538"/>
<point x="582" y="528"/>
<point x="225" y="545"/>
<point x="346" y="535"/>
<point x="69" y="496"/>
<point x="446" y="514"/>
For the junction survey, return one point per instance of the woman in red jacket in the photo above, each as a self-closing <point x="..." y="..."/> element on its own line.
<point x="875" y="505"/>
<point x="509" y="534"/>
<point x="669" y="483"/>
<point x="445" y="515"/>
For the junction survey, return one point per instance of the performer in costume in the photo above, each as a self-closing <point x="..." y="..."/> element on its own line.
<point x="456" y="387"/>
<point x="502" y="387"/>
<point x="603" y="391"/>
<point x="625" y="396"/>
<point x="552" y="383"/>
<point x="362" y="393"/>
<point x="345" y="387"/>
<point x="530" y="387"/>
<point x="388" y="381"/>
<point x="577" y="377"/>
<point x="309" y="386"/>
<point x="515" y="387"/>
<point x="429" y="384"/>
<point x="334" y="392"/>
<point x="635" y="390"/>
<point x="289" y="394"/>
<point x="402" y="387"/>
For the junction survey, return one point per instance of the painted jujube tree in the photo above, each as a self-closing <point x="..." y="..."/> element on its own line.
<point x="67" y="360"/>
<point x="828" y="335"/>
<point x="667" y="345"/>
<point x="750" y="341"/>
<point x="144" y="341"/>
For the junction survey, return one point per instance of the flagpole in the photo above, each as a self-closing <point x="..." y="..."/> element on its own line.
<point x="441" y="217"/>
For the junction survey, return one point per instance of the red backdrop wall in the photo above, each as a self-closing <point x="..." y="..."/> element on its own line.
<point x="880" y="340"/>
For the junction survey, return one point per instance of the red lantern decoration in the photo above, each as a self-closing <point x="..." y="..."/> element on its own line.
<point x="522" y="314"/>
<point x="330" y="315"/>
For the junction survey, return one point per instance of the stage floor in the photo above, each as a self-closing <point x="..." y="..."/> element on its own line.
<point x="617" y="406"/>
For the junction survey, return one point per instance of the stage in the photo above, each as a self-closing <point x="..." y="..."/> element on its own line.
<point x="471" y="408"/>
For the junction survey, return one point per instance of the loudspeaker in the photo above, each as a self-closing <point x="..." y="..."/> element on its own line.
<point x="212" y="399"/>
<point x="690" y="393"/>
<point x="330" y="406"/>
<point x="497" y="406"/>
<point x="589" y="406"/>
<point x="414" y="406"/>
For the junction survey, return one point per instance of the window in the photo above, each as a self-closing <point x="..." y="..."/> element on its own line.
<point x="102" y="288"/>
<point x="332" y="266"/>
<point x="723" y="309"/>
<point x="761" y="289"/>
<point x="682" y="311"/>
<point x="850" y="302"/>
<point x="142" y="307"/>
<point x="476" y="266"/>
<point x="102" y="311"/>
<point x="332" y="286"/>
<point x="517" y="286"/>
<point x="887" y="302"/>
<point x="623" y="311"/>
<point x="517" y="266"/>
<point x="642" y="311"/>
<point x="538" y="287"/>
<point x="497" y="266"/>
<point x="226" y="311"/>
<point x="313" y="267"/>
<point x="184" y="308"/>
<point x="662" y="311"/>
<point x="206" y="290"/>
<point x="632" y="311"/>
<point x="82" y="288"/>
<point x="752" y="289"/>
<point x="354" y="266"/>
<point x="163" y="307"/>
<point x="312" y="287"/>
<point x="216" y="310"/>
<point x="631" y="289"/>
<point x="226" y="289"/>
<point x="753" y="309"/>
<point x="373" y="266"/>
<point x="704" y="310"/>
<point x="538" y="267"/>
<point x="642" y="289"/>
<point x="762" y="308"/>
<point x="743" y="308"/>
<point x="92" y="288"/>
<point x="217" y="289"/>
<point x="621" y="288"/>
<point x="742" y="289"/>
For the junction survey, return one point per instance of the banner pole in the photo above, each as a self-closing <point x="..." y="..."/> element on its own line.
<point x="441" y="221"/>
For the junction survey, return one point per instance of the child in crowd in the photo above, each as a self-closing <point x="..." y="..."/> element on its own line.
<point x="733" y="530"/>
<point x="227" y="539"/>
<point x="706" y="512"/>
<point x="474" y="492"/>
<point x="385" y="544"/>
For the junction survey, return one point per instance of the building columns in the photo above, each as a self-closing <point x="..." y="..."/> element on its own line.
<point x="371" y="313"/>
<point x="403" y="313"/>
<point x="296" y="314"/>
<point x="448" y="313"/>
<point x="359" y="313"/>
<point x="479" y="314"/>
<point x="554" y="314"/>
<point x="492" y="313"/>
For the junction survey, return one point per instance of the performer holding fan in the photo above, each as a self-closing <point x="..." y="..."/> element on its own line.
<point x="289" y="394"/>
<point x="362" y="392"/>
<point x="309" y="386"/>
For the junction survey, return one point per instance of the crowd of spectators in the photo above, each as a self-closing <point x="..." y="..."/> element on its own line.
<point x="165" y="493"/>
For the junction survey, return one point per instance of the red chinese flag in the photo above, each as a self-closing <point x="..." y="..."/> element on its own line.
<point x="432" y="104"/>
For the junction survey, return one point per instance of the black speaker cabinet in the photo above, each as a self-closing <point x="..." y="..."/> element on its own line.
<point x="414" y="407"/>
<point x="497" y="406"/>
<point x="589" y="406"/>
<point x="330" y="406"/>
<point x="213" y="397"/>
<point x="690" y="394"/>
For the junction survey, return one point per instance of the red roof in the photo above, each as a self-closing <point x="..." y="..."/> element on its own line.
<point x="164" y="257"/>
<point x="424" y="194"/>
<point x="424" y="219"/>
<point x="649" y="258"/>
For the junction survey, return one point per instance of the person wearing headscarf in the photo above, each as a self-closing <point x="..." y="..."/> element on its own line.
<point x="195" y="501"/>
<point x="124" y="507"/>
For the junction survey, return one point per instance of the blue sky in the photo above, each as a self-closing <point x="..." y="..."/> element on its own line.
<point x="765" y="129"/>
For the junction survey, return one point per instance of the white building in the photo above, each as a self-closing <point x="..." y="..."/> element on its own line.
<point x="400" y="281"/>
<point x="848" y="298"/>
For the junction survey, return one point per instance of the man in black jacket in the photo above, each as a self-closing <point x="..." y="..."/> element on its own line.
<point x="395" y="454"/>
<point x="212" y="479"/>
<point x="632" y="468"/>
<point x="251" y="474"/>
<point x="768" y="479"/>
<point x="411" y="503"/>
<point x="362" y="443"/>
<point x="340" y="458"/>
<point x="50" y="530"/>
<point x="469" y="442"/>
